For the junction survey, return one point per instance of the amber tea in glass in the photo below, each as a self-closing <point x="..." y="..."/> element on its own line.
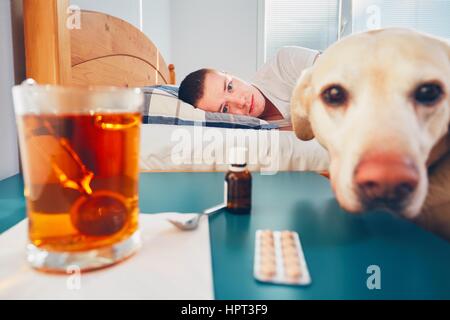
<point x="79" y="152"/>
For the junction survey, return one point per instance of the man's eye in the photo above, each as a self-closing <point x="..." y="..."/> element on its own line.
<point x="225" y="109"/>
<point x="230" y="86"/>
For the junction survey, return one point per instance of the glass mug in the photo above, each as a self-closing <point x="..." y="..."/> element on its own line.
<point x="79" y="151"/>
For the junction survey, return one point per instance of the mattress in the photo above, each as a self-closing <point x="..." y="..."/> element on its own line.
<point x="199" y="148"/>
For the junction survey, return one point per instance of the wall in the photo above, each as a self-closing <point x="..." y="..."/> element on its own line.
<point x="213" y="33"/>
<point x="9" y="163"/>
<point x="156" y="17"/>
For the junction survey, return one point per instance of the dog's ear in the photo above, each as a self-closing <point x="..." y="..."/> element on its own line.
<point x="300" y="105"/>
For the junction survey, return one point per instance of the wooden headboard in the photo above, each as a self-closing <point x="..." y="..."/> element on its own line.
<point x="105" y="50"/>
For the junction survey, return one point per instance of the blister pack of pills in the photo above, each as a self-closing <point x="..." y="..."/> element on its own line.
<point x="279" y="258"/>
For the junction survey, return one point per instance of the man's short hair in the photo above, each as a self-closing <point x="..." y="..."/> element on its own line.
<point x="192" y="87"/>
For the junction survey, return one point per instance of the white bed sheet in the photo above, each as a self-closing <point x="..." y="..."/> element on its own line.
<point x="196" y="148"/>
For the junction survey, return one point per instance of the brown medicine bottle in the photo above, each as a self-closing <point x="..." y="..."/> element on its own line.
<point x="238" y="184"/>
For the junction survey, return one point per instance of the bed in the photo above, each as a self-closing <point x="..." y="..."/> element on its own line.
<point x="109" y="51"/>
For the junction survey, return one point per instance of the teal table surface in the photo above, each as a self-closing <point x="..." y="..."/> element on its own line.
<point x="338" y="246"/>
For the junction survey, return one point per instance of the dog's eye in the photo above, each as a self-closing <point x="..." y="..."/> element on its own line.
<point x="428" y="93"/>
<point x="334" y="95"/>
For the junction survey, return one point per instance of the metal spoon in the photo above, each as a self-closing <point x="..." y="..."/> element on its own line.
<point x="192" y="223"/>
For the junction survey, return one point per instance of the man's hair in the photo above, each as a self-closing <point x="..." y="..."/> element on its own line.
<point x="192" y="87"/>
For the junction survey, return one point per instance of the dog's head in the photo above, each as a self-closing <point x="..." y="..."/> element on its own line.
<point x="378" y="102"/>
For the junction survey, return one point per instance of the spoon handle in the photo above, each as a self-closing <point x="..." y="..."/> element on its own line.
<point x="214" y="209"/>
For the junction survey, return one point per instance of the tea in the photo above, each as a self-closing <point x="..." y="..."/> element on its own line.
<point x="80" y="174"/>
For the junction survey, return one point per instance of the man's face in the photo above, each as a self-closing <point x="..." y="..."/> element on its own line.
<point x="228" y="94"/>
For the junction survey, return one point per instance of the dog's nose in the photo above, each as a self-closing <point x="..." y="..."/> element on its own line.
<point x="386" y="179"/>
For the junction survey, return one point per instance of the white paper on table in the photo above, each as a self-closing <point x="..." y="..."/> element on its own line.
<point x="172" y="264"/>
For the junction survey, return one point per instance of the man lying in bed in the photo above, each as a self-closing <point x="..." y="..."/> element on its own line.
<point x="266" y="97"/>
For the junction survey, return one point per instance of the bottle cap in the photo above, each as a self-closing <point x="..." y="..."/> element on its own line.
<point x="237" y="156"/>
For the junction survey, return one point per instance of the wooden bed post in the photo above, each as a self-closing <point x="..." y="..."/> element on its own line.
<point x="172" y="74"/>
<point x="47" y="41"/>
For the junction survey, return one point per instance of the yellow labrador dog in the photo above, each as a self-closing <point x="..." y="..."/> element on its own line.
<point x="379" y="102"/>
